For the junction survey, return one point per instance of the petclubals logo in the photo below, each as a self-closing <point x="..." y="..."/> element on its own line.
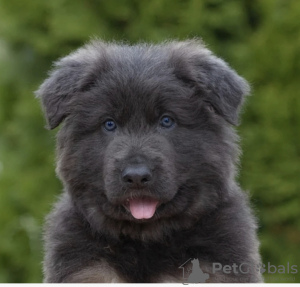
<point x="245" y="268"/>
<point x="192" y="273"/>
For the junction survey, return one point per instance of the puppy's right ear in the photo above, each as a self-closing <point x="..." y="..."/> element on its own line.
<point x="65" y="81"/>
<point x="71" y="76"/>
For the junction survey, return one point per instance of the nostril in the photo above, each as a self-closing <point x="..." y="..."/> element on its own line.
<point x="127" y="177"/>
<point x="144" y="180"/>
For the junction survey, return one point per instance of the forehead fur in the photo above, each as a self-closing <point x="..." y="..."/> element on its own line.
<point x="118" y="51"/>
<point x="133" y="81"/>
<point x="144" y="60"/>
<point x="142" y="69"/>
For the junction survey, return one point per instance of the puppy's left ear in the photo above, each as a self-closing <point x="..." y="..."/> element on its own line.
<point x="221" y="86"/>
<point x="216" y="83"/>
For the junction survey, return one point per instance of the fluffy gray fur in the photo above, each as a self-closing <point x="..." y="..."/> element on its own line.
<point x="90" y="235"/>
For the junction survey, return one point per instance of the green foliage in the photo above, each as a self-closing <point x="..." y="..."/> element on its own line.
<point x="258" y="38"/>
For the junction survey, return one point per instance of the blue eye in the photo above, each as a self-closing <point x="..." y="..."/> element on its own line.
<point x="110" y="125"/>
<point x="166" y="122"/>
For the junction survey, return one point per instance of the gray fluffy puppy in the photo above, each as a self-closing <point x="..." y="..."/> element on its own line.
<point x="147" y="156"/>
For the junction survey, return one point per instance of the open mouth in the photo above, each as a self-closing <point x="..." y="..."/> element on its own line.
<point x="141" y="207"/>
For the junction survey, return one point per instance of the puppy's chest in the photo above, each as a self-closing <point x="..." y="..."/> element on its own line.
<point x="142" y="262"/>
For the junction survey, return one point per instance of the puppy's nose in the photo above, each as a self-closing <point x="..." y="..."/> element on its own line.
<point x="137" y="175"/>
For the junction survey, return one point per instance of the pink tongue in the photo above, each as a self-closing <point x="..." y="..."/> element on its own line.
<point x="142" y="207"/>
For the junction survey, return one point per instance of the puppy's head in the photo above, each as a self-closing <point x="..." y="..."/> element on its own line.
<point x="146" y="140"/>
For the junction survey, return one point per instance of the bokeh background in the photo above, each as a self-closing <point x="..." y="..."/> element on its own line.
<point x="260" y="39"/>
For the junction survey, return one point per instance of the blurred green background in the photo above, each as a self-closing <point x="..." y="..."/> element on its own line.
<point x="260" y="39"/>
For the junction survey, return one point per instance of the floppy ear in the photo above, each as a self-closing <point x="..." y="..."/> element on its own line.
<point x="216" y="82"/>
<point x="223" y="88"/>
<point x="71" y="76"/>
<point x="64" y="82"/>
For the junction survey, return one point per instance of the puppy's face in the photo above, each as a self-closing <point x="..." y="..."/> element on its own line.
<point x="145" y="138"/>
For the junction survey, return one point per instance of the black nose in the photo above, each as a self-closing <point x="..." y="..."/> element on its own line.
<point x="137" y="175"/>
